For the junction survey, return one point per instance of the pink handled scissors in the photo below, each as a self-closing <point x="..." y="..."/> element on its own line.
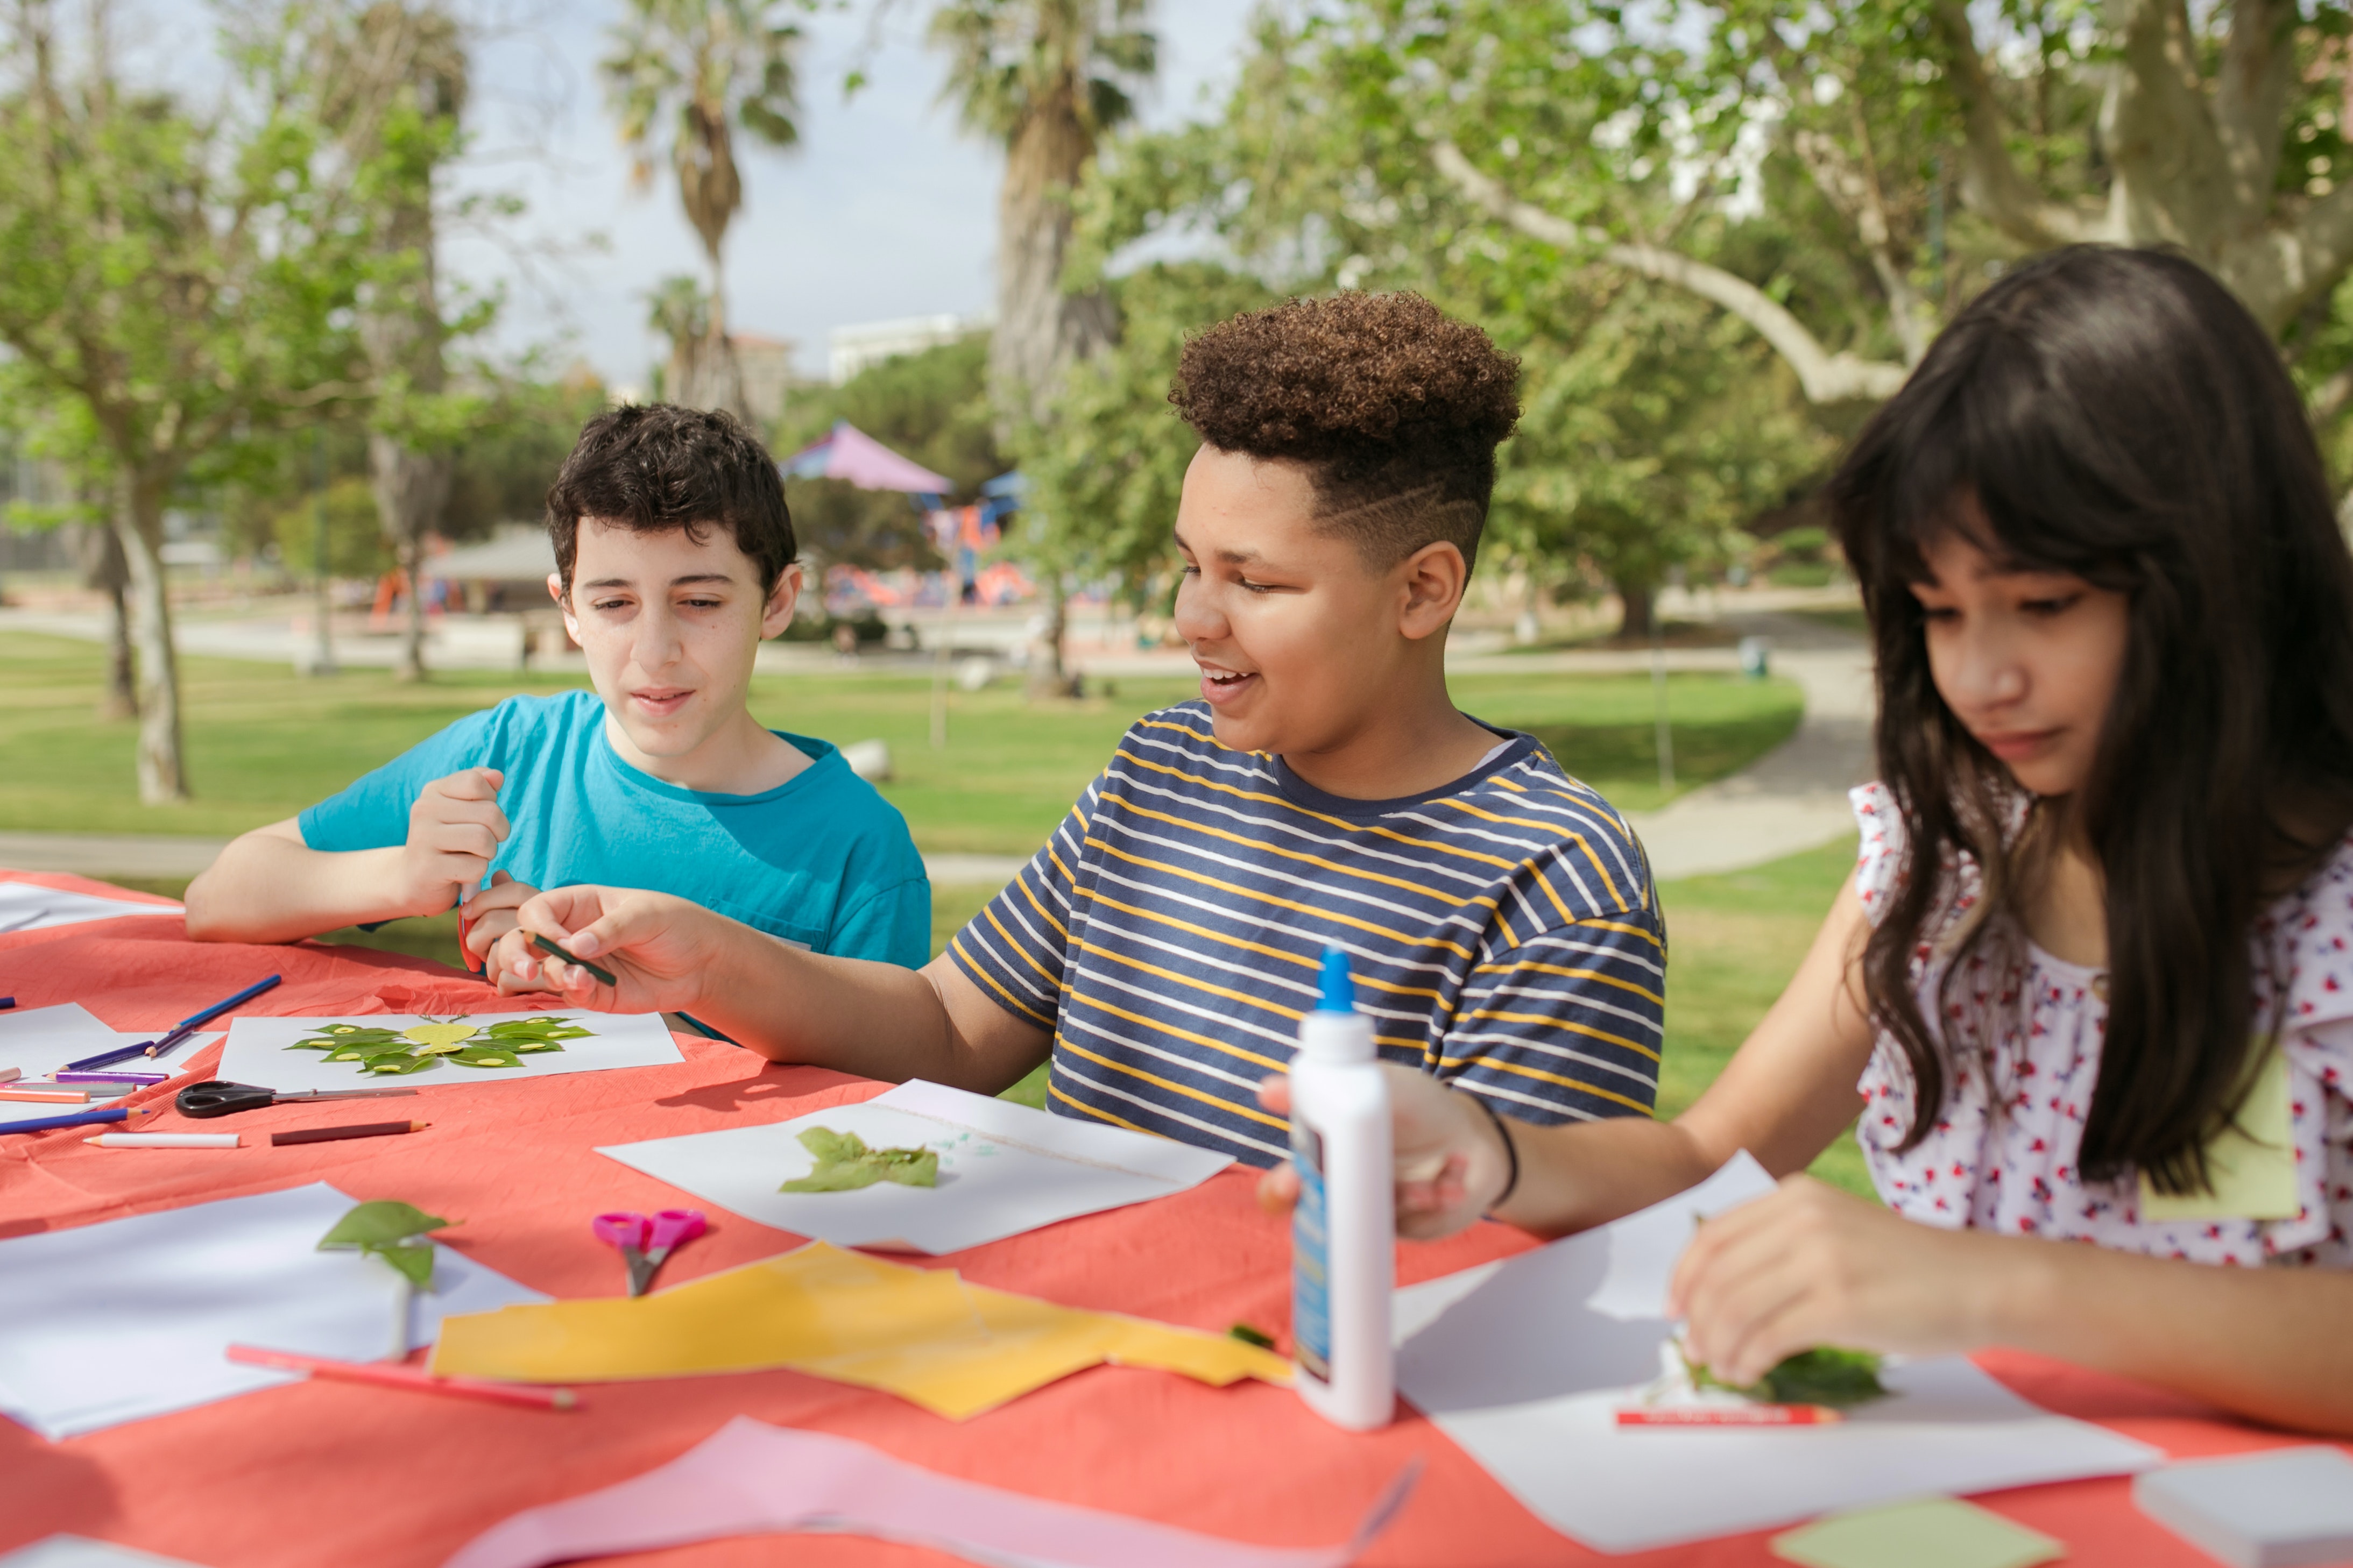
<point x="646" y="1243"/>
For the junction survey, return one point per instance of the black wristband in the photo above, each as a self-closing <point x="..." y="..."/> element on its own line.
<point x="1511" y="1152"/>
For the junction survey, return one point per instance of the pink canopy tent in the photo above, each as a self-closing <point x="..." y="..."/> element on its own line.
<point x="849" y="453"/>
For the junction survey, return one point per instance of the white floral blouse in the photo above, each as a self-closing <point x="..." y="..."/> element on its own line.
<point x="2010" y="1166"/>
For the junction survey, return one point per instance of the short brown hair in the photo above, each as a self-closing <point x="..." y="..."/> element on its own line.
<point x="654" y="468"/>
<point x="1394" y="407"/>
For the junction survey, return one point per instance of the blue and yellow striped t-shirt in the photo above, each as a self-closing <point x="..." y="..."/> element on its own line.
<point x="1503" y="930"/>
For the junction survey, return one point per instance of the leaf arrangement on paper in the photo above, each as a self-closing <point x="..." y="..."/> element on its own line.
<point x="503" y="1044"/>
<point x="1821" y="1376"/>
<point x="844" y="1163"/>
<point x="391" y="1230"/>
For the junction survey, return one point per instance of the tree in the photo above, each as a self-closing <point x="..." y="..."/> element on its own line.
<point x="2220" y="130"/>
<point x="171" y="283"/>
<point x="1047" y="79"/>
<point x="392" y="78"/>
<point x="681" y="75"/>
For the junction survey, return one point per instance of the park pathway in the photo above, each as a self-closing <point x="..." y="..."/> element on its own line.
<point x="1792" y="798"/>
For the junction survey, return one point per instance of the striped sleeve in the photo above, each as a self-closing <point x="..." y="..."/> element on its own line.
<point x="1017" y="949"/>
<point x="1566" y="1025"/>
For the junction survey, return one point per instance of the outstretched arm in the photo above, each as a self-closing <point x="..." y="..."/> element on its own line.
<point x="876" y="1020"/>
<point x="270" y="886"/>
<point x="1784" y="1097"/>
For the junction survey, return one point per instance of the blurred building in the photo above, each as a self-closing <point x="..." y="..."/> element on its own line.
<point x="852" y="348"/>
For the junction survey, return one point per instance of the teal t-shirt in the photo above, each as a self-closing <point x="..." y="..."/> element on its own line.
<point x="821" y="860"/>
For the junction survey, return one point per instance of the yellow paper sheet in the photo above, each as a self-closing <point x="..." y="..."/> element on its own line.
<point x="920" y="1333"/>
<point x="1934" y="1532"/>
<point x="2252" y="1162"/>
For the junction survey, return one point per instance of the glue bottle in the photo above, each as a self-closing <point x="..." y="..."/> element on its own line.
<point x="1342" y="1233"/>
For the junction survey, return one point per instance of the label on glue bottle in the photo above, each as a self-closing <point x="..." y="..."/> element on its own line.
<point x="1311" y="1257"/>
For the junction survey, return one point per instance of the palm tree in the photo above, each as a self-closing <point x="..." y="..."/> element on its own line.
<point x="1047" y="79"/>
<point x="682" y="74"/>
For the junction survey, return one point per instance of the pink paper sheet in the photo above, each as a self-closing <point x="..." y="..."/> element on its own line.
<point x="752" y="1479"/>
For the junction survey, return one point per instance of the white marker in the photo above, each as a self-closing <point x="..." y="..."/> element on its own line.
<point x="164" y="1140"/>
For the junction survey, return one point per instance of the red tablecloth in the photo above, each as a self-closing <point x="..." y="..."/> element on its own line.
<point x="320" y="1473"/>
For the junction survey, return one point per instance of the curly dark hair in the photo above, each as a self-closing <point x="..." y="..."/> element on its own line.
<point x="1394" y="407"/>
<point x="657" y="467"/>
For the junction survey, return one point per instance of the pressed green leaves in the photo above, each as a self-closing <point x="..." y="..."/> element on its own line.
<point x="1820" y="1376"/>
<point x="845" y="1164"/>
<point x="391" y="1230"/>
<point x="374" y="1049"/>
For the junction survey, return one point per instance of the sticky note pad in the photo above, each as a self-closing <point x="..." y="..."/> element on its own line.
<point x="2258" y="1510"/>
<point x="2249" y="1165"/>
<point x="1932" y="1532"/>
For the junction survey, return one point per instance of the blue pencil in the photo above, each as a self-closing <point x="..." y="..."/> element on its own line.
<point x="180" y="1031"/>
<point x="77" y="1119"/>
<point x="6" y="1003"/>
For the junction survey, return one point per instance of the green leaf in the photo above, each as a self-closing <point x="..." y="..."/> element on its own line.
<point x="413" y="1259"/>
<point x="399" y="1063"/>
<point x="380" y="1222"/>
<point x="1823" y="1375"/>
<point x="844" y="1163"/>
<point x="483" y="1056"/>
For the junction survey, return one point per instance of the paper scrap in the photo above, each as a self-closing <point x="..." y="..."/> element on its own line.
<point x="257" y="1051"/>
<point x="925" y="1334"/>
<point x="133" y="1317"/>
<point x="751" y="1478"/>
<point x="29" y="906"/>
<point x="1929" y="1532"/>
<point x="81" y="1551"/>
<point x="2269" y="1510"/>
<point x="1003" y="1168"/>
<point x="1524" y="1374"/>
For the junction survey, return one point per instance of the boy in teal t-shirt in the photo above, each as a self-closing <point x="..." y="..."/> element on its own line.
<point x="674" y="557"/>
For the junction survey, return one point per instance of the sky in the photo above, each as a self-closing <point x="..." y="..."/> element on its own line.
<point x="885" y="209"/>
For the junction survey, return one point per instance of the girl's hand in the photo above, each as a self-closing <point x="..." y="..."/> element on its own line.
<point x="489" y="915"/>
<point x="1810" y="1266"/>
<point x="1450" y="1163"/>
<point x="658" y="948"/>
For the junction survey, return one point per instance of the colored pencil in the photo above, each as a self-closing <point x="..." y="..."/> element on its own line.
<point x="77" y="1118"/>
<point x="135" y="1079"/>
<point x="1731" y="1415"/>
<point x="6" y="1003"/>
<point x="179" y="1031"/>
<point x="550" y="948"/>
<point x="414" y="1378"/>
<point x="48" y="1095"/>
<point x="358" y="1129"/>
<point x="10" y="1075"/>
<point x="164" y="1140"/>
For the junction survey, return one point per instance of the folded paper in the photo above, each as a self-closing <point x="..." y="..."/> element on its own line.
<point x="751" y="1478"/>
<point x="925" y="1334"/>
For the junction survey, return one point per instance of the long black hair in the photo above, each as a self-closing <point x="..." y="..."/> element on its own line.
<point x="2116" y="415"/>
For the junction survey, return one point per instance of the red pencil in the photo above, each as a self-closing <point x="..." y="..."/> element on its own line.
<point x="415" y="1379"/>
<point x="360" y="1130"/>
<point x="1730" y="1416"/>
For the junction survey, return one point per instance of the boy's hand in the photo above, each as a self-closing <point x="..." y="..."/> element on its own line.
<point x="1450" y="1164"/>
<point x="488" y="917"/>
<point x="659" y="949"/>
<point x="455" y="828"/>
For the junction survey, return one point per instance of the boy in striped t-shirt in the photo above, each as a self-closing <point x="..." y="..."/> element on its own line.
<point x="1162" y="946"/>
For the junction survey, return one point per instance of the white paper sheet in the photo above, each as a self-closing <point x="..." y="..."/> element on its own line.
<point x="131" y="1318"/>
<point x="256" y="1051"/>
<point x="39" y="1040"/>
<point x="1003" y="1168"/>
<point x="80" y="1552"/>
<point x="1526" y="1366"/>
<point x="29" y="906"/>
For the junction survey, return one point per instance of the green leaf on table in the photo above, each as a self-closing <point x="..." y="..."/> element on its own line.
<point x="484" y="1054"/>
<point x="844" y="1163"/>
<point x="377" y="1223"/>
<point x="391" y="1230"/>
<point x="1823" y="1375"/>
<point x="500" y="1044"/>
<point x="399" y="1062"/>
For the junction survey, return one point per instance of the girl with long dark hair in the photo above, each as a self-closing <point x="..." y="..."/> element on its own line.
<point x="2093" y="981"/>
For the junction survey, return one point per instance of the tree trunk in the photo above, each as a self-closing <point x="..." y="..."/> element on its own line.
<point x="411" y="487"/>
<point x="1048" y="677"/>
<point x="1040" y="332"/>
<point x="1639" y="600"/>
<point x="139" y="523"/>
<point x="98" y="550"/>
<point x="703" y="373"/>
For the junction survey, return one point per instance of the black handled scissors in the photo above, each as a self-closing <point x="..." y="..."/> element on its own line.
<point x="215" y="1096"/>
